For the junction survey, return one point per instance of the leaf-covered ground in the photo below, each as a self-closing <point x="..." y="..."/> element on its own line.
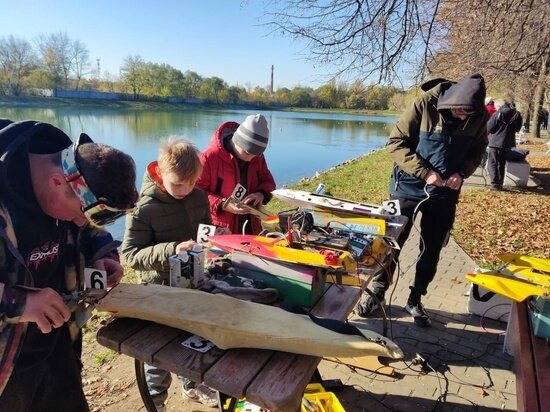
<point x="518" y="220"/>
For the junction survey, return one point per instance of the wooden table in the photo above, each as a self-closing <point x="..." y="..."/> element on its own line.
<point x="271" y="379"/>
<point x="531" y="362"/>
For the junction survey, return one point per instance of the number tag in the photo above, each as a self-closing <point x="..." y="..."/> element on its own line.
<point x="392" y="207"/>
<point x="95" y="278"/>
<point x="197" y="343"/>
<point x="239" y="192"/>
<point x="204" y="231"/>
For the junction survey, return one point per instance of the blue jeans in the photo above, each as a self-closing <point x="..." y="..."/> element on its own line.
<point x="159" y="381"/>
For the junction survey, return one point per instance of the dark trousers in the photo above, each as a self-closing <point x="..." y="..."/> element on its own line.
<point x="52" y="386"/>
<point x="436" y="221"/>
<point x="496" y="165"/>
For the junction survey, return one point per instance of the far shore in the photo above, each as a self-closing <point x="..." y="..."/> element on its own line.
<point x="38" y="101"/>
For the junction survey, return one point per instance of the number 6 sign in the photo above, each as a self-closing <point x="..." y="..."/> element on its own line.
<point x="95" y="278"/>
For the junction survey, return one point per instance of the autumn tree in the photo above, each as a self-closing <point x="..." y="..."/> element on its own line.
<point x="17" y="60"/>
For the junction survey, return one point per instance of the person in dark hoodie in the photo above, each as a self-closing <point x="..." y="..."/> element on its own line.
<point x="438" y="142"/>
<point x="54" y="196"/>
<point x="502" y="128"/>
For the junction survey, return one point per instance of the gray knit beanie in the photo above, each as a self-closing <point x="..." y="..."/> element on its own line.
<point x="252" y="135"/>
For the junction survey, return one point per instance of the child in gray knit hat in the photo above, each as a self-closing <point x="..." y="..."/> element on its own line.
<point x="235" y="156"/>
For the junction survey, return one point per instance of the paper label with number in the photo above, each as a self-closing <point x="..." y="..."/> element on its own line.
<point x="204" y="231"/>
<point x="197" y="343"/>
<point x="392" y="207"/>
<point x="95" y="278"/>
<point x="239" y="192"/>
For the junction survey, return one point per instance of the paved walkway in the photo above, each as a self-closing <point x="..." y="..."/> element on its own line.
<point x="467" y="369"/>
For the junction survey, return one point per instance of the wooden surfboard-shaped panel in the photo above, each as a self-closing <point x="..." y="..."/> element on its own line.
<point x="233" y="323"/>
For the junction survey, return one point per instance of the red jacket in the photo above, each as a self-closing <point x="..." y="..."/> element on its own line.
<point x="221" y="174"/>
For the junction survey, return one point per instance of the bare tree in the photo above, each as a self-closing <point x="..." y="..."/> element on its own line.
<point x="360" y="38"/>
<point x="17" y="59"/>
<point x="81" y="61"/>
<point x="57" y="57"/>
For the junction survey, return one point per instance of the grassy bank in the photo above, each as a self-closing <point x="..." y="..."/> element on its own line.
<point x="488" y="223"/>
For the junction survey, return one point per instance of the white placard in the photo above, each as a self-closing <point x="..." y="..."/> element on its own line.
<point x="95" y="278"/>
<point x="197" y="343"/>
<point x="204" y="231"/>
<point x="239" y="192"/>
<point x="392" y="207"/>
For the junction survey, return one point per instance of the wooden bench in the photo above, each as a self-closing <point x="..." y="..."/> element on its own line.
<point x="270" y="379"/>
<point x="531" y="363"/>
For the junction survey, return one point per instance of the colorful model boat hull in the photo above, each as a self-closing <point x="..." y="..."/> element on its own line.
<point x="233" y="323"/>
<point x="278" y="249"/>
<point x="532" y="269"/>
<point x="508" y="286"/>
<point x="304" y="199"/>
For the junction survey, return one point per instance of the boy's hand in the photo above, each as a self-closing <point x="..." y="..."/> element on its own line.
<point x="254" y="199"/>
<point x="232" y="207"/>
<point x="46" y="308"/>
<point x="222" y="230"/>
<point x="184" y="246"/>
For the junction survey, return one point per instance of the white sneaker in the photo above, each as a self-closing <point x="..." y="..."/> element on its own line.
<point x="207" y="396"/>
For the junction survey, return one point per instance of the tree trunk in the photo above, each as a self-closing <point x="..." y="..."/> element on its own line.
<point x="538" y="97"/>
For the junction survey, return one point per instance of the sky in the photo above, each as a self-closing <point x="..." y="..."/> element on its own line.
<point x="222" y="38"/>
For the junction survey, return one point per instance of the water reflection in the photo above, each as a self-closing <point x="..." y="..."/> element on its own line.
<point x="300" y="143"/>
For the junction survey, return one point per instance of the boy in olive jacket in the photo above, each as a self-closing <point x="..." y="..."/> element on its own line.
<point x="438" y="142"/>
<point x="164" y="223"/>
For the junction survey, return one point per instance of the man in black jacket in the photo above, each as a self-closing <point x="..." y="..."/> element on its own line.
<point x="502" y="128"/>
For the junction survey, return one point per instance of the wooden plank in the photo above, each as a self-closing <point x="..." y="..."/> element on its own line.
<point x="184" y="361"/>
<point x="236" y="369"/>
<point x="280" y="385"/>
<point x="148" y="341"/>
<point x="526" y="388"/>
<point x="117" y="331"/>
<point x="337" y="302"/>
<point x="541" y="356"/>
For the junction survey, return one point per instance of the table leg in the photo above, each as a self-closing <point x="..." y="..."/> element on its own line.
<point x="142" y="386"/>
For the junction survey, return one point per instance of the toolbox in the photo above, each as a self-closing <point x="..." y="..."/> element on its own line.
<point x="316" y="399"/>
<point x="298" y="284"/>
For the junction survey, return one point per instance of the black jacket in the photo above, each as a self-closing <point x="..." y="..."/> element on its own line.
<point x="502" y="127"/>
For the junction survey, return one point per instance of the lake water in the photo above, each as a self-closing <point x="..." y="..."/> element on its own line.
<point x="300" y="143"/>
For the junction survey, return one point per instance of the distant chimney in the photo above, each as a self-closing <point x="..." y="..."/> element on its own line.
<point x="271" y="86"/>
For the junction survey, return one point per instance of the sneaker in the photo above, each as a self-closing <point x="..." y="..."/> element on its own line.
<point x="418" y="313"/>
<point x="203" y="394"/>
<point x="369" y="306"/>
<point x="207" y="396"/>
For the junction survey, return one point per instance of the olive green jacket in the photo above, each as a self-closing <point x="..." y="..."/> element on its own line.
<point x="157" y="225"/>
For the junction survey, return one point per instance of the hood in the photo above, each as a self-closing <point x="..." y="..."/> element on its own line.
<point x="223" y="132"/>
<point x="467" y="94"/>
<point x="152" y="185"/>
